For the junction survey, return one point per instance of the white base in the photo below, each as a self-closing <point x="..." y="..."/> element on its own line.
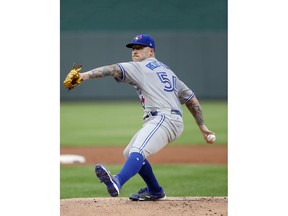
<point x="71" y="159"/>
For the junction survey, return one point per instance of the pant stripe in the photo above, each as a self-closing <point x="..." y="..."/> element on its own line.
<point x="151" y="134"/>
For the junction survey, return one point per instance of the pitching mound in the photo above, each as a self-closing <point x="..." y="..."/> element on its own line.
<point x="172" y="206"/>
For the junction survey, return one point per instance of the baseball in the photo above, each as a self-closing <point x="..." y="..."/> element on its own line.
<point x="211" y="138"/>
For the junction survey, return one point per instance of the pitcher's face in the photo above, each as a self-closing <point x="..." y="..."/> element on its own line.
<point x="140" y="53"/>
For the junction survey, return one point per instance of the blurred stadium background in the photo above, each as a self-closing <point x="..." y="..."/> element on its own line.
<point x="190" y="36"/>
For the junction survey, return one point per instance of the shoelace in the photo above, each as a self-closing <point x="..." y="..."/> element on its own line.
<point x="142" y="190"/>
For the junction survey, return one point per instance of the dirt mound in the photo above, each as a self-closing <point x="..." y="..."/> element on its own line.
<point x="172" y="206"/>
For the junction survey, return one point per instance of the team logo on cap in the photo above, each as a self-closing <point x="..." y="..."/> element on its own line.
<point x="138" y="37"/>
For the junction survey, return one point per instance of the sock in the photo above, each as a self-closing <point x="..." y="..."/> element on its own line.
<point x="148" y="176"/>
<point x="130" y="168"/>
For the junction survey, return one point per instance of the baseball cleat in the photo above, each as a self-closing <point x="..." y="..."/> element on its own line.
<point x="112" y="183"/>
<point x="145" y="195"/>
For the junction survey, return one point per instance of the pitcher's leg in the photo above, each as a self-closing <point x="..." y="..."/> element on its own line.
<point x="151" y="138"/>
<point x="148" y="176"/>
<point x="131" y="167"/>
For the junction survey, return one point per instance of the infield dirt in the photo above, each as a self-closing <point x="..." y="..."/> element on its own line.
<point x="204" y="154"/>
<point x="172" y="206"/>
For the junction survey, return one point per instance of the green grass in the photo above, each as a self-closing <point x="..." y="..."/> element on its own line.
<point x="114" y="123"/>
<point x="178" y="180"/>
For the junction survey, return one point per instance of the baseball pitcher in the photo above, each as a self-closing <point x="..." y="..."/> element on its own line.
<point x="161" y="94"/>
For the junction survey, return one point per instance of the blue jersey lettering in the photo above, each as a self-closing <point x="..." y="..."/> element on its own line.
<point x="170" y="85"/>
<point x="155" y="64"/>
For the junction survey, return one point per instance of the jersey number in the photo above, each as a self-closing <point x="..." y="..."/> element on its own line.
<point x="170" y="85"/>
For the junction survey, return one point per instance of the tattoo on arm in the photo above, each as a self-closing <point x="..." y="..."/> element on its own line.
<point x="196" y="110"/>
<point x="111" y="70"/>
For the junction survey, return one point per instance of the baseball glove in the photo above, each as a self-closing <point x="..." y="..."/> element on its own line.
<point x="73" y="78"/>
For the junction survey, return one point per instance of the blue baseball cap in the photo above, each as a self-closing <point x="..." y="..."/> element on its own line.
<point x="142" y="39"/>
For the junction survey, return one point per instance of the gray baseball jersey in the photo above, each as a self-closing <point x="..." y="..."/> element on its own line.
<point x="161" y="94"/>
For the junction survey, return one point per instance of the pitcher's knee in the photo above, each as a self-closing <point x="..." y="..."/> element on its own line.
<point x="126" y="153"/>
<point x="144" y="153"/>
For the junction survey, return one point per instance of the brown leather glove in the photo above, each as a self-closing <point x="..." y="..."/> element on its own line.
<point x="73" y="78"/>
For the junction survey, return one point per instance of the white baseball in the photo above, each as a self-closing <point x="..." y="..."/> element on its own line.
<point x="211" y="138"/>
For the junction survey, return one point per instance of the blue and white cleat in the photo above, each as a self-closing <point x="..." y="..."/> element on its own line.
<point x="112" y="183"/>
<point x="146" y="195"/>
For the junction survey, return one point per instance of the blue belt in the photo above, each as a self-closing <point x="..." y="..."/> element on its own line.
<point x="155" y="113"/>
